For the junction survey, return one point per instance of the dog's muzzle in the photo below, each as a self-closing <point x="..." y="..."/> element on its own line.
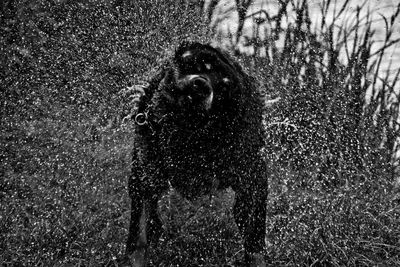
<point x="197" y="90"/>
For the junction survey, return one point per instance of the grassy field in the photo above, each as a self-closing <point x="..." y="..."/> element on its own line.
<point x="65" y="152"/>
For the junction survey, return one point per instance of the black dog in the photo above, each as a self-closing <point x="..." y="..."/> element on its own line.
<point x="199" y="128"/>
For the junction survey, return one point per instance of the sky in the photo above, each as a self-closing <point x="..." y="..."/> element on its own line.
<point x="378" y="9"/>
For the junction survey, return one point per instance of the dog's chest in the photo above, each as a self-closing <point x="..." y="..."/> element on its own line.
<point x="198" y="163"/>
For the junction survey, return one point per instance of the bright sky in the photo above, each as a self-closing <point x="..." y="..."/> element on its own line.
<point x="377" y="8"/>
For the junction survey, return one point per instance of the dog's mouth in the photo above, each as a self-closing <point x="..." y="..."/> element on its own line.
<point x="196" y="92"/>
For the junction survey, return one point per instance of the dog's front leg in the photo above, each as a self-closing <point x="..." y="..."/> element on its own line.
<point x="250" y="216"/>
<point x="145" y="224"/>
<point x="136" y="246"/>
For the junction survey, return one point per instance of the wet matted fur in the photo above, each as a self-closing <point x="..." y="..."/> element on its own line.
<point x="198" y="128"/>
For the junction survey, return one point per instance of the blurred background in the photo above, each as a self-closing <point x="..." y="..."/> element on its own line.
<point x="329" y="72"/>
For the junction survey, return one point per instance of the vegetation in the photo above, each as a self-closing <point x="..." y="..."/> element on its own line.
<point x="64" y="151"/>
<point x="333" y="139"/>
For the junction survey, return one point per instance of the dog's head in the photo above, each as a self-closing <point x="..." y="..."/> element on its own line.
<point x="201" y="79"/>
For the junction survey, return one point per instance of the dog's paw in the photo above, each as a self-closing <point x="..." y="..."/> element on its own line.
<point x="138" y="258"/>
<point x="256" y="260"/>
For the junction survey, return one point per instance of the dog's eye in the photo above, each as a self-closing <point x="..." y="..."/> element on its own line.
<point x="204" y="66"/>
<point x="187" y="54"/>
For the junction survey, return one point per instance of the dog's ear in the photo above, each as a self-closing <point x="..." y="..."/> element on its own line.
<point x="140" y="95"/>
<point x="152" y="86"/>
<point x="179" y="50"/>
<point x="230" y="60"/>
<point x="237" y="72"/>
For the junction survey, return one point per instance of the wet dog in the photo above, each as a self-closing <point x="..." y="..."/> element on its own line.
<point x="198" y="128"/>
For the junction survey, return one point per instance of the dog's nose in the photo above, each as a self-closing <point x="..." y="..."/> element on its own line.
<point x="196" y="91"/>
<point x="200" y="85"/>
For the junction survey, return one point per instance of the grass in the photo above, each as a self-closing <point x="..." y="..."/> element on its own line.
<point x="74" y="210"/>
<point x="66" y="156"/>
